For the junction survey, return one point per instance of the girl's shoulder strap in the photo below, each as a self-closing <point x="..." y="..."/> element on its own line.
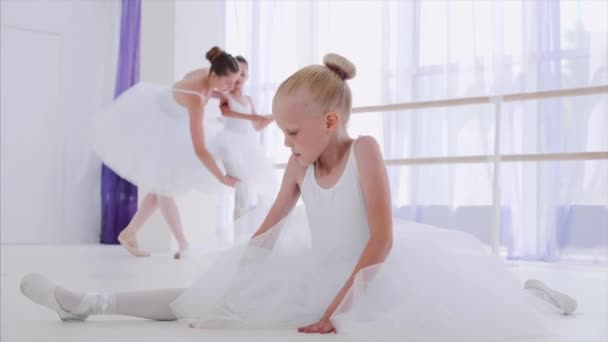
<point x="353" y="155"/>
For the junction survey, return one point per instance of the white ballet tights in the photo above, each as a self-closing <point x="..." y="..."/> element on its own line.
<point x="150" y="304"/>
<point x="241" y="200"/>
<point x="145" y="210"/>
<point x="155" y="304"/>
<point x="171" y="214"/>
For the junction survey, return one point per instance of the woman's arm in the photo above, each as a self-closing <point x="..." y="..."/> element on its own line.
<point x="376" y="193"/>
<point x="197" y="134"/>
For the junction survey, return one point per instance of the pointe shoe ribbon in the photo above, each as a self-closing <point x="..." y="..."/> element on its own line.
<point x="41" y="290"/>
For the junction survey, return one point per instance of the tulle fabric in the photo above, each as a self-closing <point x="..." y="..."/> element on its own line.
<point x="144" y="136"/>
<point x="436" y="283"/>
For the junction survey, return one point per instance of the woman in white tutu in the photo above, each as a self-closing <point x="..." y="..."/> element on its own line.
<point x="345" y="266"/>
<point x="159" y="138"/>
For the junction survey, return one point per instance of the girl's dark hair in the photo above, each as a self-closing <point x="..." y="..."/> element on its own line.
<point x="241" y="59"/>
<point x="222" y="62"/>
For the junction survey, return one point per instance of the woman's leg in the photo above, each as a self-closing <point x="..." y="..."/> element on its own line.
<point x="241" y="200"/>
<point x="128" y="237"/>
<point x="171" y="214"/>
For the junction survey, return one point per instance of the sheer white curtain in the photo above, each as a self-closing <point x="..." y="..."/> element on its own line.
<point x="424" y="50"/>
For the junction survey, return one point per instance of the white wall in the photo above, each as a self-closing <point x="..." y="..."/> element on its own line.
<point x="58" y="68"/>
<point x="157" y="41"/>
<point x="177" y="34"/>
<point x="53" y="78"/>
<point x="199" y="25"/>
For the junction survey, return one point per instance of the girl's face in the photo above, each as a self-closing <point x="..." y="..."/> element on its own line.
<point x="307" y="130"/>
<point x="243" y="76"/>
<point x="224" y="83"/>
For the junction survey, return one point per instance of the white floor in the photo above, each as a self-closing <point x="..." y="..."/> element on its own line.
<point x="109" y="268"/>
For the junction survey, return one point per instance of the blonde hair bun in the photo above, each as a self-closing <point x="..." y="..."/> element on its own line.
<point x="340" y="65"/>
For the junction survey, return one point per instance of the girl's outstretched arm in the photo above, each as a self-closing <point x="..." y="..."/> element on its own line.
<point x="376" y="193"/>
<point x="288" y="196"/>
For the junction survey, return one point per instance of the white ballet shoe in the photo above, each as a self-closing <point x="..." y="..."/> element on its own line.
<point x="41" y="290"/>
<point x="565" y="303"/>
<point x="132" y="247"/>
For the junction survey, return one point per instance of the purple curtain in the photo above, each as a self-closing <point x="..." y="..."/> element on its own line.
<point x="118" y="196"/>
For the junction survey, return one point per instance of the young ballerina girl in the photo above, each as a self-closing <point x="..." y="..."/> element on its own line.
<point x="353" y="270"/>
<point x="238" y="105"/>
<point x="241" y="118"/>
<point x="158" y="138"/>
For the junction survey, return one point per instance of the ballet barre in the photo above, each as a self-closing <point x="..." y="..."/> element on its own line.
<point x="497" y="158"/>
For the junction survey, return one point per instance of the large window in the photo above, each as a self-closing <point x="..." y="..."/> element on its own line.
<point x="423" y="50"/>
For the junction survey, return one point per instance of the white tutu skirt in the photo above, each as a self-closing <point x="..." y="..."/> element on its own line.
<point x="436" y="283"/>
<point x="144" y="136"/>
